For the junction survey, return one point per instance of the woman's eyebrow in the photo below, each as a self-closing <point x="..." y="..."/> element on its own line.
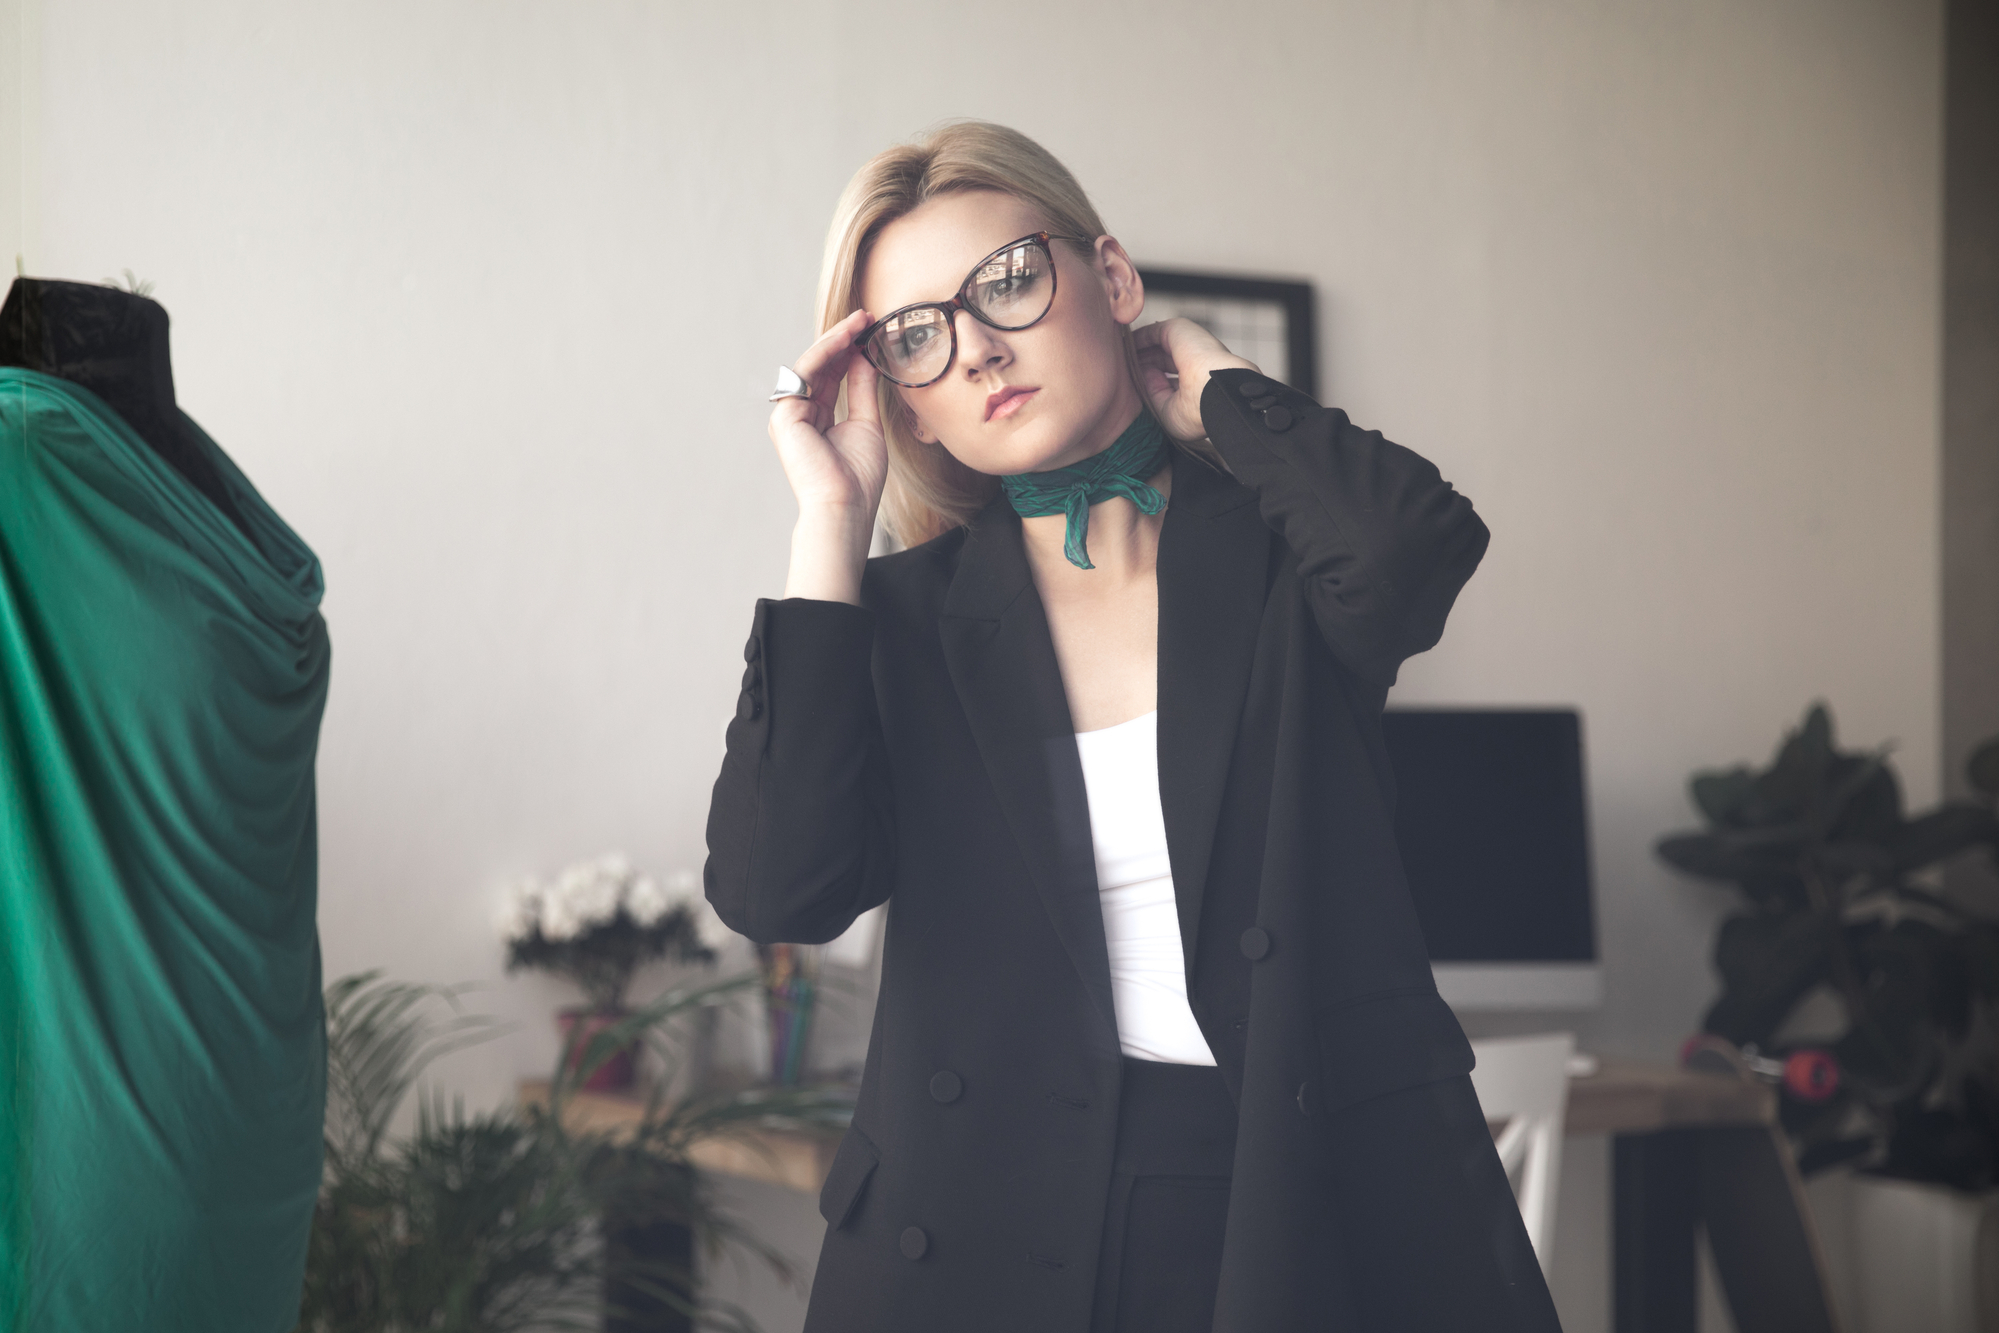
<point x="971" y="270"/>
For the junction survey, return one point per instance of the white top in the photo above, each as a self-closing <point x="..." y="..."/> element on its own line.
<point x="1135" y="886"/>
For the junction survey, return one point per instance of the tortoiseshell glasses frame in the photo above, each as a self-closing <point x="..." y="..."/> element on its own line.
<point x="995" y="296"/>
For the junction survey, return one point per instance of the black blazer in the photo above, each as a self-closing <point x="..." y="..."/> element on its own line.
<point x="920" y="751"/>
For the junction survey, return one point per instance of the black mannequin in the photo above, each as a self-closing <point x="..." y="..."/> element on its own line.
<point x="114" y="344"/>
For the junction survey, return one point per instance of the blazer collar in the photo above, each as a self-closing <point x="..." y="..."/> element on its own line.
<point x="1214" y="558"/>
<point x="1213" y="555"/>
<point x="1002" y="662"/>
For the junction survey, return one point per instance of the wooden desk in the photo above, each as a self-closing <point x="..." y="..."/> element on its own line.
<point x="1673" y="1132"/>
<point x="1693" y="1150"/>
<point x="1623" y="1097"/>
<point x="1636" y="1097"/>
<point x="795" y="1161"/>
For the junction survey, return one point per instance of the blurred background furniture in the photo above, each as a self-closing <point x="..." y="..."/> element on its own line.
<point x="1692" y="1149"/>
<point x="796" y="1161"/>
<point x="1523" y="1086"/>
<point x="1925" y="1257"/>
<point x="1492" y="819"/>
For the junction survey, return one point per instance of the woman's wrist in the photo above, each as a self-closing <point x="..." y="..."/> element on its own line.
<point x="1208" y="366"/>
<point x="829" y="548"/>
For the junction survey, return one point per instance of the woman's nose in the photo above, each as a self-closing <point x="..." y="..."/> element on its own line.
<point x="980" y="346"/>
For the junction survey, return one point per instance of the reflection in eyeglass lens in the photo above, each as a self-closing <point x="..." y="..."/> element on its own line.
<point x="1011" y="288"/>
<point x="913" y="338"/>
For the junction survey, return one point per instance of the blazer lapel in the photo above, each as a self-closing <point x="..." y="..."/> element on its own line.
<point x="1002" y="662"/>
<point x="1214" y="554"/>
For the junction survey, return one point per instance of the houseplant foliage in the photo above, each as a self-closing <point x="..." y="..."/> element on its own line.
<point x="1827" y="864"/>
<point x="495" y="1222"/>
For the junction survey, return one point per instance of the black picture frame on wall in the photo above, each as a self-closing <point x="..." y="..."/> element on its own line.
<point x="1259" y="319"/>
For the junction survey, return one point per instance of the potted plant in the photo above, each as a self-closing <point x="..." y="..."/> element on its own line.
<point x="507" y="1220"/>
<point x="1830" y="872"/>
<point x="597" y="923"/>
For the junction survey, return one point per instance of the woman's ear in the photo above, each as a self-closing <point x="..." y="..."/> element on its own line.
<point x="1122" y="285"/>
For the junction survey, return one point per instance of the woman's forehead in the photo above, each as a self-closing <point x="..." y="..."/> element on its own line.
<point x="924" y="254"/>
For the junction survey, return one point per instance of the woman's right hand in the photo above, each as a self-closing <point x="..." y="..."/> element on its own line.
<point x="836" y="470"/>
<point x="833" y="466"/>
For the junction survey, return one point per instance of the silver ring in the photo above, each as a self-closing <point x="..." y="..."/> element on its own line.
<point x="789" y="385"/>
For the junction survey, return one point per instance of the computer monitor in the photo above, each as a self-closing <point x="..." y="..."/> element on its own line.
<point x="1491" y="820"/>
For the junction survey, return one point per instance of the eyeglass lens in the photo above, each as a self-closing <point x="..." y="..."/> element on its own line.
<point x="1009" y="289"/>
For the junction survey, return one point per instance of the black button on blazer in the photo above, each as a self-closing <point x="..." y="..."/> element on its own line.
<point x="918" y="750"/>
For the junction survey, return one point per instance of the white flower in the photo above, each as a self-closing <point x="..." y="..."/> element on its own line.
<point x="708" y="927"/>
<point x="519" y="913"/>
<point x="590" y="890"/>
<point x="598" y="904"/>
<point x="685" y="888"/>
<point x="559" y="920"/>
<point x="572" y="880"/>
<point x="647" y="902"/>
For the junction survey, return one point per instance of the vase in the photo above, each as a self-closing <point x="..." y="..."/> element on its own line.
<point x="791" y="987"/>
<point x="1924" y="1256"/>
<point x="579" y="1027"/>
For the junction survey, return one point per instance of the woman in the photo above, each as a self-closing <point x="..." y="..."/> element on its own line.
<point x="1157" y="1046"/>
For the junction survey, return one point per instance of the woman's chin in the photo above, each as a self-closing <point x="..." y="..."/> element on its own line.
<point x="1034" y="447"/>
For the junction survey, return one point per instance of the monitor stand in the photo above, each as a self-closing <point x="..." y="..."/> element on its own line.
<point x="1514" y="986"/>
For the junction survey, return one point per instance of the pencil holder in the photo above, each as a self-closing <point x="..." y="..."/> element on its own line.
<point x="791" y="992"/>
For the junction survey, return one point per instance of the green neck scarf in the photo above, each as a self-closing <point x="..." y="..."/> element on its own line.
<point x="1121" y="469"/>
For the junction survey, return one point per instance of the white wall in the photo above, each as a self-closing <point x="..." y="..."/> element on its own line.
<point x="485" y="296"/>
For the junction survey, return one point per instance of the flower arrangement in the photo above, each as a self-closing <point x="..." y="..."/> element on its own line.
<point x="598" y="921"/>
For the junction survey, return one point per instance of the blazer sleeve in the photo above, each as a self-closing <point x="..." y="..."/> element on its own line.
<point x="1383" y="542"/>
<point x="801" y="833"/>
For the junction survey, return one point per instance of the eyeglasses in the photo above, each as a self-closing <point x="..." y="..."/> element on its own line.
<point x="1010" y="289"/>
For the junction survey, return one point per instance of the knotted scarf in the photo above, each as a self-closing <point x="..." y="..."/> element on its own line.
<point x="1122" y="469"/>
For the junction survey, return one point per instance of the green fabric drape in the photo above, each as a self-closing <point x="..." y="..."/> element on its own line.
<point x="162" y="1044"/>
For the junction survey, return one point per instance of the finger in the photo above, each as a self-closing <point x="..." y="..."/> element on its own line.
<point x="862" y="403"/>
<point x="821" y="366"/>
<point x="1157" y="369"/>
<point x="786" y="413"/>
<point x="1179" y="337"/>
<point x="1168" y="409"/>
<point x="825" y="361"/>
<point x="1168" y="330"/>
<point x="842" y="368"/>
<point x="1152" y="348"/>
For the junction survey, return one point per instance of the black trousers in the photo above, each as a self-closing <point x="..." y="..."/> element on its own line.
<point x="1169" y="1204"/>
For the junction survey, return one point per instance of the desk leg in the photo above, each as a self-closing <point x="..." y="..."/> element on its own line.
<point x="1655" y="1211"/>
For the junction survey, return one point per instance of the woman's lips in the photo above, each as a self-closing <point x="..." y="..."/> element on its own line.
<point x="1006" y="402"/>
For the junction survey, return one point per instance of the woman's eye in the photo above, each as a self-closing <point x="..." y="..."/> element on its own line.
<point x="1005" y="291"/>
<point x="913" y="340"/>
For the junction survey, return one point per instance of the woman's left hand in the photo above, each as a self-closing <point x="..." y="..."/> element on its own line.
<point x="1182" y="349"/>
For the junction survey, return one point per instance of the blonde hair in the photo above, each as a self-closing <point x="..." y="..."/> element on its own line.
<point x="928" y="491"/>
